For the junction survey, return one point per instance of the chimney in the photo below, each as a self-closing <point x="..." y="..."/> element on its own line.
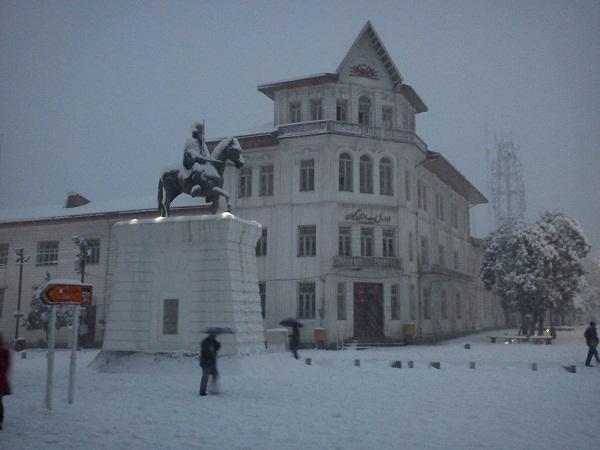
<point x="74" y="200"/>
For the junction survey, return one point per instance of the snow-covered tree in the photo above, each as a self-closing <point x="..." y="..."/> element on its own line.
<point x="38" y="317"/>
<point x="589" y="294"/>
<point x="535" y="268"/>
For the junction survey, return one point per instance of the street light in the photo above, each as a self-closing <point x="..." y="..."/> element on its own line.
<point x="21" y="260"/>
<point x="82" y="244"/>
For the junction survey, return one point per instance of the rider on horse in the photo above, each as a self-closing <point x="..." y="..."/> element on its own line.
<point x="195" y="151"/>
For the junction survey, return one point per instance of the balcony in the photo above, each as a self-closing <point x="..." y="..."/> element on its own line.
<point x="350" y="129"/>
<point x="366" y="262"/>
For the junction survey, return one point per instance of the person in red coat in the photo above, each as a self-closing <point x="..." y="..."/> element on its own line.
<point x="4" y="385"/>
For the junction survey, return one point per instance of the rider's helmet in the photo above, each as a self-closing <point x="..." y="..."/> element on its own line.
<point x="198" y="131"/>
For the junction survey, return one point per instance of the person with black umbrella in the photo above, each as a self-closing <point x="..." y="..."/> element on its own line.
<point x="208" y="361"/>
<point x="294" y="336"/>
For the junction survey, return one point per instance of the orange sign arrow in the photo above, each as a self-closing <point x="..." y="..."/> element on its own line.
<point x="65" y="294"/>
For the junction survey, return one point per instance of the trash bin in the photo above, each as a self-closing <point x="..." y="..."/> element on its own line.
<point x="320" y="337"/>
<point x="409" y="330"/>
<point x="19" y="344"/>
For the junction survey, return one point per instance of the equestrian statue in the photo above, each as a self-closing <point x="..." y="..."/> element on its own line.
<point x="201" y="173"/>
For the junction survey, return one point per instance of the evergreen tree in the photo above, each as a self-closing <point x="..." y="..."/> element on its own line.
<point x="38" y="317"/>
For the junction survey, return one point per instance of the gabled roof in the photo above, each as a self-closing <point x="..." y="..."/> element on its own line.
<point x="381" y="52"/>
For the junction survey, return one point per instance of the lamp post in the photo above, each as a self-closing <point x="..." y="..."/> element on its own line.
<point x="21" y="260"/>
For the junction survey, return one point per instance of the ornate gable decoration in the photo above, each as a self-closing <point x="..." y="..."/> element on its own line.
<point x="364" y="71"/>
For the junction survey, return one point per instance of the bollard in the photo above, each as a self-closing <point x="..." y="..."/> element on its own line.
<point x="397" y="364"/>
<point x="357" y="362"/>
<point x="534" y="367"/>
<point x="467" y="346"/>
<point x="411" y="364"/>
<point x="435" y="364"/>
<point x="24" y="354"/>
<point x="472" y="365"/>
<point x="570" y="369"/>
<point x="308" y="361"/>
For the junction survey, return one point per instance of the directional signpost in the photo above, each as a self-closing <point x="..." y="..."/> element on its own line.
<point x="63" y="292"/>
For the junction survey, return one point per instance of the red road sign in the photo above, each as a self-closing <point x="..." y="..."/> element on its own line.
<point x="65" y="292"/>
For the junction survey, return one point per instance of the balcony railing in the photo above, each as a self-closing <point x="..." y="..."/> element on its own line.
<point x="353" y="129"/>
<point x="366" y="262"/>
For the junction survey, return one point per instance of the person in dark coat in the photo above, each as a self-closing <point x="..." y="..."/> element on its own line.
<point x="208" y="361"/>
<point x="591" y="339"/>
<point x="4" y="368"/>
<point x="295" y="340"/>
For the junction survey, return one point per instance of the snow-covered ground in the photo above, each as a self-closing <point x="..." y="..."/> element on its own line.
<point x="272" y="401"/>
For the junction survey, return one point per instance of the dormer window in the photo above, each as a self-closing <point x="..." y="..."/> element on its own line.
<point x="295" y="112"/>
<point x="364" y="111"/>
<point x="316" y="110"/>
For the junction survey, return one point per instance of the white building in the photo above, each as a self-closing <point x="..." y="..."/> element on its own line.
<point x="365" y="230"/>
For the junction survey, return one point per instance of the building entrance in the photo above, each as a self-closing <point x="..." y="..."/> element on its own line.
<point x="368" y="310"/>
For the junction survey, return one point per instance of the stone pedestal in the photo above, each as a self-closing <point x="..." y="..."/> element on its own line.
<point x="175" y="276"/>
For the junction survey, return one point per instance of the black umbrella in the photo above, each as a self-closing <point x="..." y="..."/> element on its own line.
<point x="290" y="322"/>
<point x="218" y="329"/>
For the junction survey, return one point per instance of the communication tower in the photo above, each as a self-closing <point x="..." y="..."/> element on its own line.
<point x="507" y="187"/>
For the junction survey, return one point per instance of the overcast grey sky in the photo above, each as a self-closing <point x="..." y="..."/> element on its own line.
<point x="97" y="96"/>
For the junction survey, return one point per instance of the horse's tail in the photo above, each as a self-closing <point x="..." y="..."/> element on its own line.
<point x="161" y="205"/>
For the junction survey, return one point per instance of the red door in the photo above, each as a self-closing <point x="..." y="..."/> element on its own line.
<point x="368" y="310"/>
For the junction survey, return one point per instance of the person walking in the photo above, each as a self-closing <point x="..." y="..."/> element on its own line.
<point x="208" y="361"/>
<point x="4" y="368"/>
<point x="591" y="340"/>
<point x="295" y="340"/>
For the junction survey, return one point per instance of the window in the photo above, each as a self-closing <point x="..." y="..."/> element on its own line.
<point x="245" y="182"/>
<point x="295" y="112"/>
<point x="412" y="300"/>
<point x="385" y="177"/>
<point x="93" y="251"/>
<point x="261" y="244"/>
<point x="395" y="302"/>
<point x="422" y="195"/>
<point x="407" y="189"/>
<point x="341" y="111"/>
<point x="444" y="305"/>
<point x="47" y="253"/>
<point x="411" y="246"/>
<point x="265" y="181"/>
<point x="364" y="111"/>
<point x="366" y="242"/>
<point x="341" y="301"/>
<point x="439" y="206"/>
<point x="170" y="316"/>
<point x="426" y="304"/>
<point x="306" y="300"/>
<point x="388" y="244"/>
<point x="344" y="241"/>
<point x="316" y="110"/>
<point x="3" y="254"/>
<point x="262" y="292"/>
<point x="387" y="117"/>
<point x="458" y="307"/>
<point x="366" y="175"/>
<point x="2" y="290"/>
<point x="424" y="250"/>
<point x="454" y="215"/>
<point x="442" y="255"/>
<point x="345" y="173"/>
<point x="307" y="240"/>
<point x="408" y="117"/>
<point x="307" y="175"/>
<point x="456" y="261"/>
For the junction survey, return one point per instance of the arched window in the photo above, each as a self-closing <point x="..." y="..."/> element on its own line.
<point x="366" y="175"/>
<point x="385" y="177"/>
<point x="345" y="175"/>
<point x="364" y="111"/>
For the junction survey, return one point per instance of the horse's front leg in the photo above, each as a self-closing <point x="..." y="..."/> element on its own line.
<point x="222" y="193"/>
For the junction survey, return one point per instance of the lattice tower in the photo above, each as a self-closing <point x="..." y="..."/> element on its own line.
<point x="507" y="186"/>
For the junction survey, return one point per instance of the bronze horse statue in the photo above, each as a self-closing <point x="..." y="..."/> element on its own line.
<point x="203" y="180"/>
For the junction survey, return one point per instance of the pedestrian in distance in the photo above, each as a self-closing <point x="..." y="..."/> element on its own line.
<point x="4" y="368"/>
<point x="208" y="361"/>
<point x="591" y="340"/>
<point x="295" y="340"/>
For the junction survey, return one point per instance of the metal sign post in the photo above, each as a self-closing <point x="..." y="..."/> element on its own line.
<point x="63" y="292"/>
<point x="50" y="356"/>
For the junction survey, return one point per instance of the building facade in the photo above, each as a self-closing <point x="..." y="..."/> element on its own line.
<point x="365" y="230"/>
